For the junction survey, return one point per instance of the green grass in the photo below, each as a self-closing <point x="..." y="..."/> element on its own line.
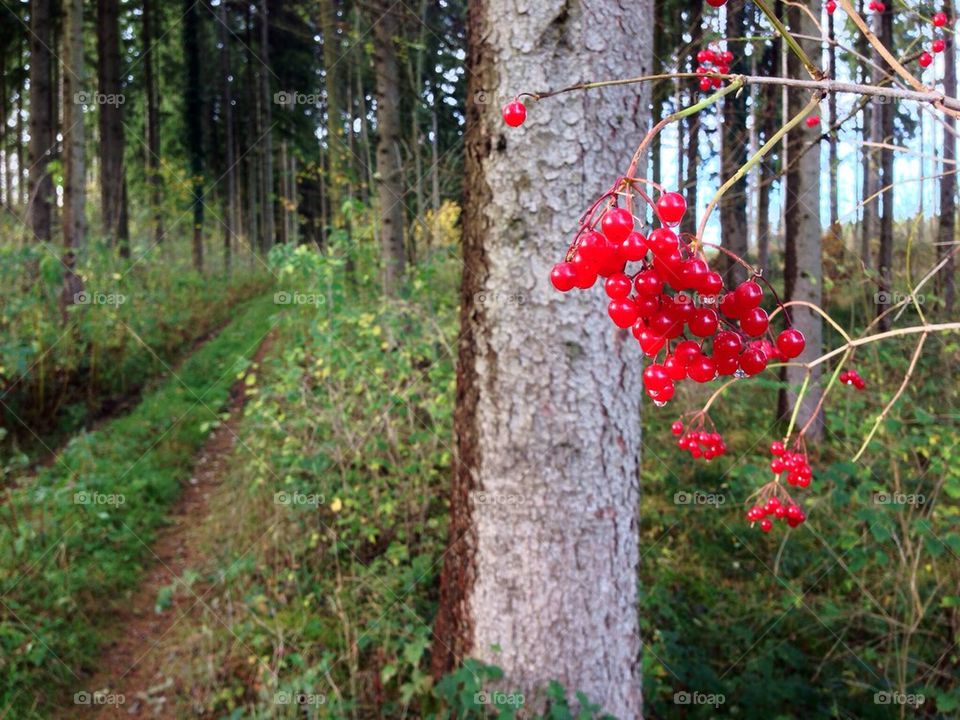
<point x="65" y="559"/>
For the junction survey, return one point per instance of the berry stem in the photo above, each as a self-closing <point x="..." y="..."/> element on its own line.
<point x="796" y="406"/>
<point x="815" y="308"/>
<point x="815" y="72"/>
<point x="896" y="396"/>
<point x="758" y="156"/>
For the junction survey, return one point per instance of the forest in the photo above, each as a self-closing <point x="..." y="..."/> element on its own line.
<point x="558" y="359"/>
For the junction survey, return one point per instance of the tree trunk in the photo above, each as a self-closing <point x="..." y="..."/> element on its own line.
<point x="41" y="119"/>
<point x="268" y="196"/>
<point x="543" y="548"/>
<point x="193" y="121"/>
<point x="335" y="144"/>
<point x="885" y="251"/>
<point x="111" y="123"/>
<point x="688" y="224"/>
<point x="946" y="232"/>
<point x="389" y="167"/>
<point x="233" y="203"/>
<point x="733" y="146"/>
<point x="74" y="131"/>
<point x="803" y="271"/>
<point x="152" y="92"/>
<point x="833" y="139"/>
<point x="873" y="118"/>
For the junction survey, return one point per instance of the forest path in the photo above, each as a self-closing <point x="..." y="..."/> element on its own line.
<point x="133" y="666"/>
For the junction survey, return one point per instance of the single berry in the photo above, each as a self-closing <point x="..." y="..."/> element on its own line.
<point x="716" y="3"/>
<point x="830" y="6"/>
<point x="617" y="224"/>
<point x="634" y="247"/>
<point x="617" y="286"/>
<point x="726" y="57"/>
<point x="925" y="59"/>
<point x="813" y="121"/>
<point x="754" y="323"/>
<point x="938" y="45"/>
<point x="711" y="284"/>
<point x="748" y="295"/>
<point x="777" y="449"/>
<point x="766" y="525"/>
<point x="790" y="343"/>
<point x="702" y="370"/>
<point x="670" y="207"/>
<point x="564" y="276"/>
<point x="677" y="428"/>
<point x="704" y="322"/>
<point x="648" y="283"/>
<point x="939" y="19"/>
<point x="514" y="113"/>
<point x="753" y="361"/>
<point x="623" y="312"/>
<point x="705" y="84"/>
<point x="687" y="351"/>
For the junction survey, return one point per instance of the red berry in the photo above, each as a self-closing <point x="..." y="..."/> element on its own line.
<point x="831" y="7"/>
<point x="925" y="59"/>
<point x="766" y="525"/>
<point x="675" y="369"/>
<point x="677" y="428"/>
<point x="687" y="351"/>
<point x="729" y="306"/>
<point x="813" y="121"/>
<point x="790" y="343"/>
<point x="617" y="224"/>
<point x="753" y="362"/>
<point x="777" y="449"/>
<point x="670" y="207"/>
<point x="727" y="364"/>
<point x="716" y="3"/>
<point x="938" y="46"/>
<point x="514" y="113"/>
<point x="693" y="271"/>
<point x="726" y="57"/>
<point x="704" y="322"/>
<point x="648" y="283"/>
<point x="634" y="247"/>
<point x="727" y="343"/>
<point x="702" y="370"/>
<point x="651" y="342"/>
<point x="662" y="242"/>
<point x="711" y="284"/>
<point x="748" y="295"/>
<point x="586" y="271"/>
<point x="939" y="19"/>
<point x="754" y="323"/>
<point x="617" y="286"/>
<point x="655" y="377"/>
<point x="564" y="276"/>
<point x="623" y="312"/>
<point x="705" y="84"/>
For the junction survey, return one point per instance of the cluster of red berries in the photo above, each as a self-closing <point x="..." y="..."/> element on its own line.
<point x="937" y="46"/>
<point x="713" y="61"/>
<point x="514" y="113"/>
<point x="639" y="300"/>
<point x="698" y="441"/>
<point x="794" y="464"/>
<point x="791" y="513"/>
<point x="852" y="377"/>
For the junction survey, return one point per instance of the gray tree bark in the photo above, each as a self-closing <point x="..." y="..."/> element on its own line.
<point x="733" y="154"/>
<point x="389" y="166"/>
<point x="803" y="271"/>
<point x="74" y="132"/>
<point x="543" y="552"/>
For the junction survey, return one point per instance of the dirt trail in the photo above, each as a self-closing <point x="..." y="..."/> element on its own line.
<point x="133" y="665"/>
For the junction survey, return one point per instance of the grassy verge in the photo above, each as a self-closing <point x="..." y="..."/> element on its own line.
<point x="78" y="535"/>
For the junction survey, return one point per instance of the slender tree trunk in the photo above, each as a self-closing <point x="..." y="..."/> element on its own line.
<point x="389" y="168"/>
<point x="833" y="139"/>
<point x="733" y="146"/>
<point x="946" y="232"/>
<point x="21" y="136"/>
<point x="885" y="254"/>
<point x="269" y="220"/>
<point x="4" y="132"/>
<point x="41" y="119"/>
<point x="335" y="142"/>
<point x="873" y="117"/>
<point x="193" y="119"/>
<point x="550" y="583"/>
<point x="74" y="131"/>
<point x="803" y="271"/>
<point x="690" y="179"/>
<point x="230" y="226"/>
<point x="111" y="124"/>
<point x="434" y="174"/>
<point x="152" y="92"/>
